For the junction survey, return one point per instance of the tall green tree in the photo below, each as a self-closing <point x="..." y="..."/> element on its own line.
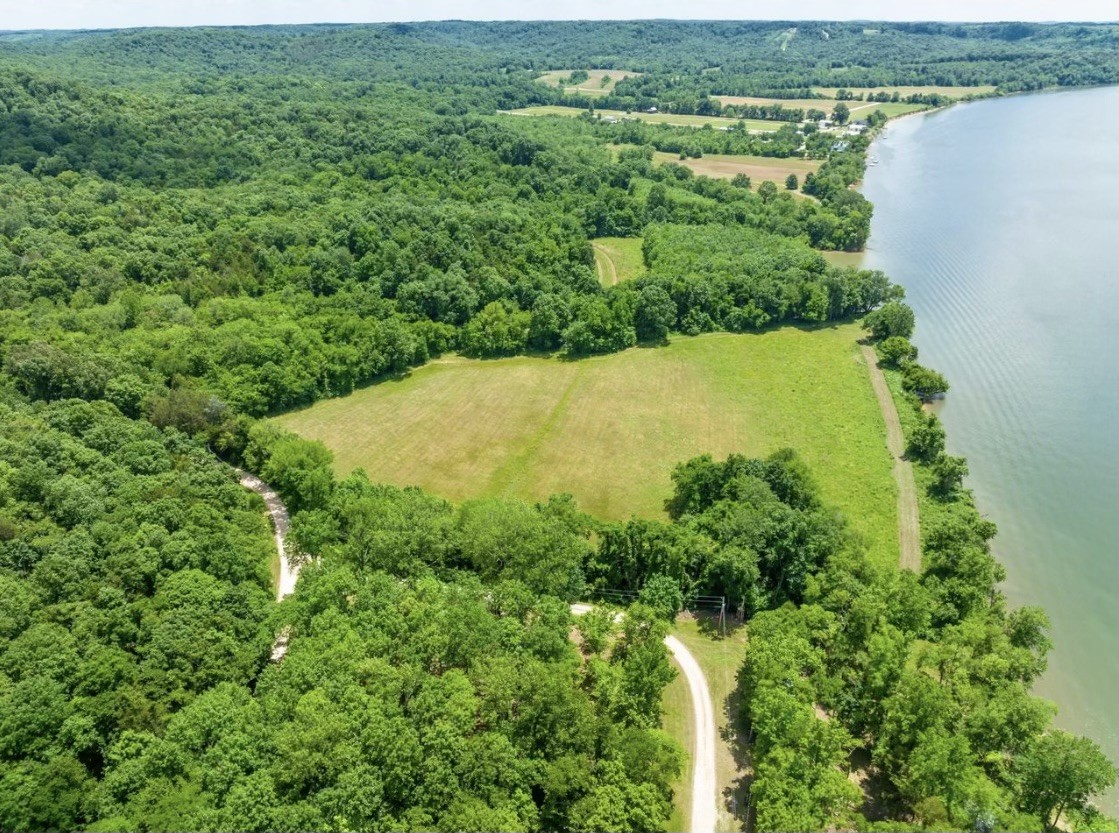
<point x="1059" y="774"/>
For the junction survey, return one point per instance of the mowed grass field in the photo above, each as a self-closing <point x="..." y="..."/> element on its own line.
<point x="758" y="168"/>
<point x="676" y="720"/>
<point x="617" y="259"/>
<point x="610" y="429"/>
<point x="653" y="118"/>
<point x="593" y="85"/>
<point x="862" y="109"/>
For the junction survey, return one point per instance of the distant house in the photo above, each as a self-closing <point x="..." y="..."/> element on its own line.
<point x="824" y="124"/>
<point x="855" y="129"/>
<point x="839" y="147"/>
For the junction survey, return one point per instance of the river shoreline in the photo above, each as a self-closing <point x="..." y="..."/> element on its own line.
<point x="1016" y="304"/>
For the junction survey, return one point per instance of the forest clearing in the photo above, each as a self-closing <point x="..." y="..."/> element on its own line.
<point x="530" y="427"/>
<point x="617" y="259"/>
<point x="597" y="82"/>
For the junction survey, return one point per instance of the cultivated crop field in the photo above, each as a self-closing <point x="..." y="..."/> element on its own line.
<point x="758" y="168"/>
<point x="594" y="85"/>
<point x="610" y="429"/>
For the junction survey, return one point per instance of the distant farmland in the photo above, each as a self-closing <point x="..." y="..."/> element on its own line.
<point x="654" y="118"/>
<point x="788" y="103"/>
<point x="859" y="109"/>
<point x="951" y="92"/>
<point x="593" y="85"/>
<point x="758" y="168"/>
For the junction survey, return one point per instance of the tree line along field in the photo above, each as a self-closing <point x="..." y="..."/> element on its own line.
<point x="858" y="109"/>
<point x="903" y="91"/>
<point x="825" y="104"/>
<point x="609" y="429"/>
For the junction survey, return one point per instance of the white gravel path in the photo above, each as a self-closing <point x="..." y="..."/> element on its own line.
<point x="289" y="572"/>
<point x="280" y="523"/>
<point x="704" y="791"/>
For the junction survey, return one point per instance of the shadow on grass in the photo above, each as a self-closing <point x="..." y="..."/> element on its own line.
<point x="736" y="795"/>
<point x="734" y="732"/>
<point x="710" y="626"/>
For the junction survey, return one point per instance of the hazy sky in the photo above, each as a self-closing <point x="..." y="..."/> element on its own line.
<point x="79" y="14"/>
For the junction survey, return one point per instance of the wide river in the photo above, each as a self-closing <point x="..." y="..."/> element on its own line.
<point x="1001" y="219"/>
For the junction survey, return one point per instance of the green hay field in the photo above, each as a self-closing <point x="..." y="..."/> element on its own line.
<point x="862" y="109"/>
<point x="609" y="429"/>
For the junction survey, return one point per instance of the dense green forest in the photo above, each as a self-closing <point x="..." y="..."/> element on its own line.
<point x="202" y="227"/>
<point x="136" y="690"/>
